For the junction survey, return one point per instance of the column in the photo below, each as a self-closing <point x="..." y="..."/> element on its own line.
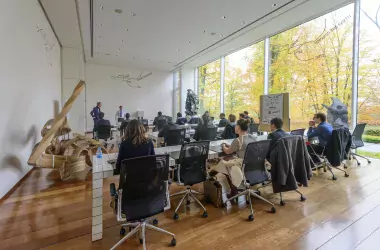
<point x="222" y="68"/>
<point x="266" y="65"/>
<point x="355" y="64"/>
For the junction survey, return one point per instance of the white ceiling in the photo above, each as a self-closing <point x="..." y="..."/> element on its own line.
<point x="164" y="34"/>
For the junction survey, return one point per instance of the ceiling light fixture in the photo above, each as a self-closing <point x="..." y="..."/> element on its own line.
<point x="188" y="42"/>
<point x="212" y="33"/>
<point x="243" y="23"/>
<point x="100" y="24"/>
<point x="118" y="11"/>
<point x="107" y="54"/>
<point x="221" y="36"/>
<point x="122" y="41"/>
<point x="274" y="5"/>
<point x="133" y="14"/>
<point x="118" y="49"/>
<point x="99" y="37"/>
<point x="224" y="17"/>
<point x="126" y="29"/>
<point x="101" y="7"/>
<point x="178" y="50"/>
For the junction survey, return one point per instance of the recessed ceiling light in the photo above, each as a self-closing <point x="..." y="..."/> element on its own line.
<point x="118" y="11"/>
<point x="133" y="57"/>
<point x="101" y="24"/>
<point x="107" y="54"/>
<point x="126" y="29"/>
<point x="101" y="7"/>
<point x="212" y="33"/>
<point x="189" y="42"/>
<point x="116" y="55"/>
<point x="99" y="37"/>
<point x="118" y="49"/>
<point x="224" y="17"/>
<point x="204" y="32"/>
<point x="169" y="62"/>
<point x="274" y="5"/>
<point x="178" y="50"/>
<point x="133" y="14"/>
<point x="148" y="59"/>
<point x="221" y="36"/>
<point x="122" y="41"/>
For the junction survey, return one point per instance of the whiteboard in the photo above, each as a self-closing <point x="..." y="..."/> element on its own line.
<point x="273" y="107"/>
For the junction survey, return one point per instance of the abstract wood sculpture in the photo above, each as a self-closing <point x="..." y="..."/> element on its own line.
<point x="73" y="157"/>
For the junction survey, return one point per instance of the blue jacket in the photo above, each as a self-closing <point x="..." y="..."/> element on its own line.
<point x="95" y="113"/>
<point x="323" y="131"/>
<point x="181" y="121"/>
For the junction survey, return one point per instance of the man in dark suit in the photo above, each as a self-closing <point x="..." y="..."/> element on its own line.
<point x="223" y="121"/>
<point x="124" y="124"/>
<point x="170" y="125"/>
<point x="156" y="119"/>
<point x="277" y="133"/>
<point x="95" y="116"/>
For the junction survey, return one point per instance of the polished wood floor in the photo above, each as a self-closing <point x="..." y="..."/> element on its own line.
<point x="43" y="212"/>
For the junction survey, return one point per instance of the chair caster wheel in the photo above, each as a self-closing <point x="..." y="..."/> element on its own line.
<point x="155" y="222"/>
<point x="346" y="175"/>
<point x="175" y="216"/>
<point x="258" y="192"/>
<point x="247" y="202"/>
<point x="345" y="167"/>
<point x="325" y="170"/>
<point x="273" y="210"/>
<point x="303" y="198"/>
<point x="188" y="202"/>
<point x="250" y="217"/>
<point x="359" y="163"/>
<point x="122" y="231"/>
<point x="173" y="243"/>
<point x="369" y="162"/>
<point x="204" y="215"/>
<point x="282" y="203"/>
<point x="334" y="178"/>
<point x="141" y="241"/>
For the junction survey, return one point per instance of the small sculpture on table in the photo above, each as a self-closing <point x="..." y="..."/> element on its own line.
<point x="337" y="114"/>
<point x="192" y="103"/>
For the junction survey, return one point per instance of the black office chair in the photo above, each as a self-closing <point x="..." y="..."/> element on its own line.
<point x="142" y="194"/>
<point x="160" y="124"/>
<point x="175" y="137"/>
<point x="254" y="173"/>
<point x="333" y="154"/>
<point x="300" y="132"/>
<point x="191" y="170"/>
<point x="357" y="141"/>
<point x="254" y="128"/>
<point x="209" y="134"/>
<point x="120" y="119"/>
<point x="104" y="132"/>
<point x="229" y="132"/>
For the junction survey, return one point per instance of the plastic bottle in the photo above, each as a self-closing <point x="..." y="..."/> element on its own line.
<point x="99" y="157"/>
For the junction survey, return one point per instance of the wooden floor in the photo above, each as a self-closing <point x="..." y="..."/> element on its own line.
<point x="45" y="213"/>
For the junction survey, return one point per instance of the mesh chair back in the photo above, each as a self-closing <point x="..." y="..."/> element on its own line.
<point x="195" y="120"/>
<point x="192" y="160"/>
<point x="144" y="122"/>
<point x="357" y="140"/>
<point x="103" y="132"/>
<point x="254" y="127"/>
<point x="300" y="132"/>
<point x="254" y="162"/>
<point x="144" y="189"/>
<point x="120" y="119"/>
<point x="161" y="123"/>
<point x="175" y="137"/>
<point x="209" y="134"/>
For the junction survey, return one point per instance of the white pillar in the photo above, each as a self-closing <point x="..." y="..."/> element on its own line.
<point x="222" y="68"/>
<point x="355" y="64"/>
<point x="266" y="65"/>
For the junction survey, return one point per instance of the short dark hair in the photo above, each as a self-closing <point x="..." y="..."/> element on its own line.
<point x="277" y="122"/>
<point x="179" y="114"/>
<point x="243" y="124"/>
<point x="246" y="112"/>
<point x="321" y="116"/>
<point x="159" y="113"/>
<point x="242" y="115"/>
<point x="97" y="104"/>
<point x="127" y="115"/>
<point x="232" y="118"/>
<point x="101" y="115"/>
<point x="222" y="115"/>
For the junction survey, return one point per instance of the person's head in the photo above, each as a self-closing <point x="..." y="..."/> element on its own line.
<point x="245" y="113"/>
<point x="232" y="118"/>
<point x="241" y="116"/>
<point x="207" y="113"/>
<point x="98" y="104"/>
<point x="159" y="113"/>
<point x="275" y="123"/>
<point x="135" y="131"/>
<point x="101" y="115"/>
<point x="319" y="118"/>
<point x="222" y="116"/>
<point x="179" y="115"/>
<point x="127" y="115"/>
<point x="205" y="119"/>
<point x="169" y="119"/>
<point x="241" y="126"/>
<point x="120" y="107"/>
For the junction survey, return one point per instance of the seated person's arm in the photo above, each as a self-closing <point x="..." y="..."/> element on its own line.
<point x="312" y="132"/>
<point x="151" y="148"/>
<point x="119" y="159"/>
<point x="230" y="149"/>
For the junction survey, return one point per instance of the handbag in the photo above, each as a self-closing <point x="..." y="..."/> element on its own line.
<point x="213" y="192"/>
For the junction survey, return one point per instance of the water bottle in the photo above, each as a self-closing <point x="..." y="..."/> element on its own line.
<point x="99" y="157"/>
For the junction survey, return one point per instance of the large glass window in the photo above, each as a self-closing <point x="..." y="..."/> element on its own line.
<point x="313" y="62"/>
<point x="177" y="83"/>
<point x="209" y="88"/>
<point x="244" y="81"/>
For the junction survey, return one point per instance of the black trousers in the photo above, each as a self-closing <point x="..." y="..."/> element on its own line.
<point x="318" y="149"/>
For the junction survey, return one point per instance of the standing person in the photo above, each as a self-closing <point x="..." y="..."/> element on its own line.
<point x="156" y="119"/>
<point x="323" y="132"/>
<point x="134" y="144"/>
<point x="95" y="116"/>
<point x="247" y="117"/>
<point x="223" y="121"/>
<point x="119" y="113"/>
<point x="124" y="124"/>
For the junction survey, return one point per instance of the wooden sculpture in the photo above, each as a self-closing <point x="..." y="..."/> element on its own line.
<point x="73" y="157"/>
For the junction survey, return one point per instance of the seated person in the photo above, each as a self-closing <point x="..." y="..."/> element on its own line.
<point x="125" y="123"/>
<point x="223" y="121"/>
<point x="157" y="118"/>
<point x="323" y="132"/>
<point x="102" y="121"/>
<point x="231" y="179"/>
<point x="241" y="116"/>
<point x="246" y="116"/>
<point x="181" y="120"/>
<point x="229" y="130"/>
<point x="170" y="125"/>
<point x="134" y="144"/>
<point x="202" y="128"/>
<point x="277" y="133"/>
<point x="194" y="119"/>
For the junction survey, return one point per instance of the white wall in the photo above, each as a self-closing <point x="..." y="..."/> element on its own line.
<point x="155" y="94"/>
<point x="30" y="82"/>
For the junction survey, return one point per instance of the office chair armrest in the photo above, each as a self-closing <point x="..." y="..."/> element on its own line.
<point x="119" y="214"/>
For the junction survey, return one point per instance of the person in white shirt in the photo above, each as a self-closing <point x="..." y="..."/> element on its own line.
<point x="119" y="113"/>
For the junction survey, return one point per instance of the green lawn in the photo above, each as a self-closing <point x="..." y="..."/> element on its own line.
<point x="368" y="154"/>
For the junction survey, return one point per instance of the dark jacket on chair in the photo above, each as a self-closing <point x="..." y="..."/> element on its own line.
<point x="229" y="132"/>
<point x="290" y="164"/>
<point x="102" y="122"/>
<point x="338" y="147"/>
<point x="164" y="131"/>
<point x="223" y="123"/>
